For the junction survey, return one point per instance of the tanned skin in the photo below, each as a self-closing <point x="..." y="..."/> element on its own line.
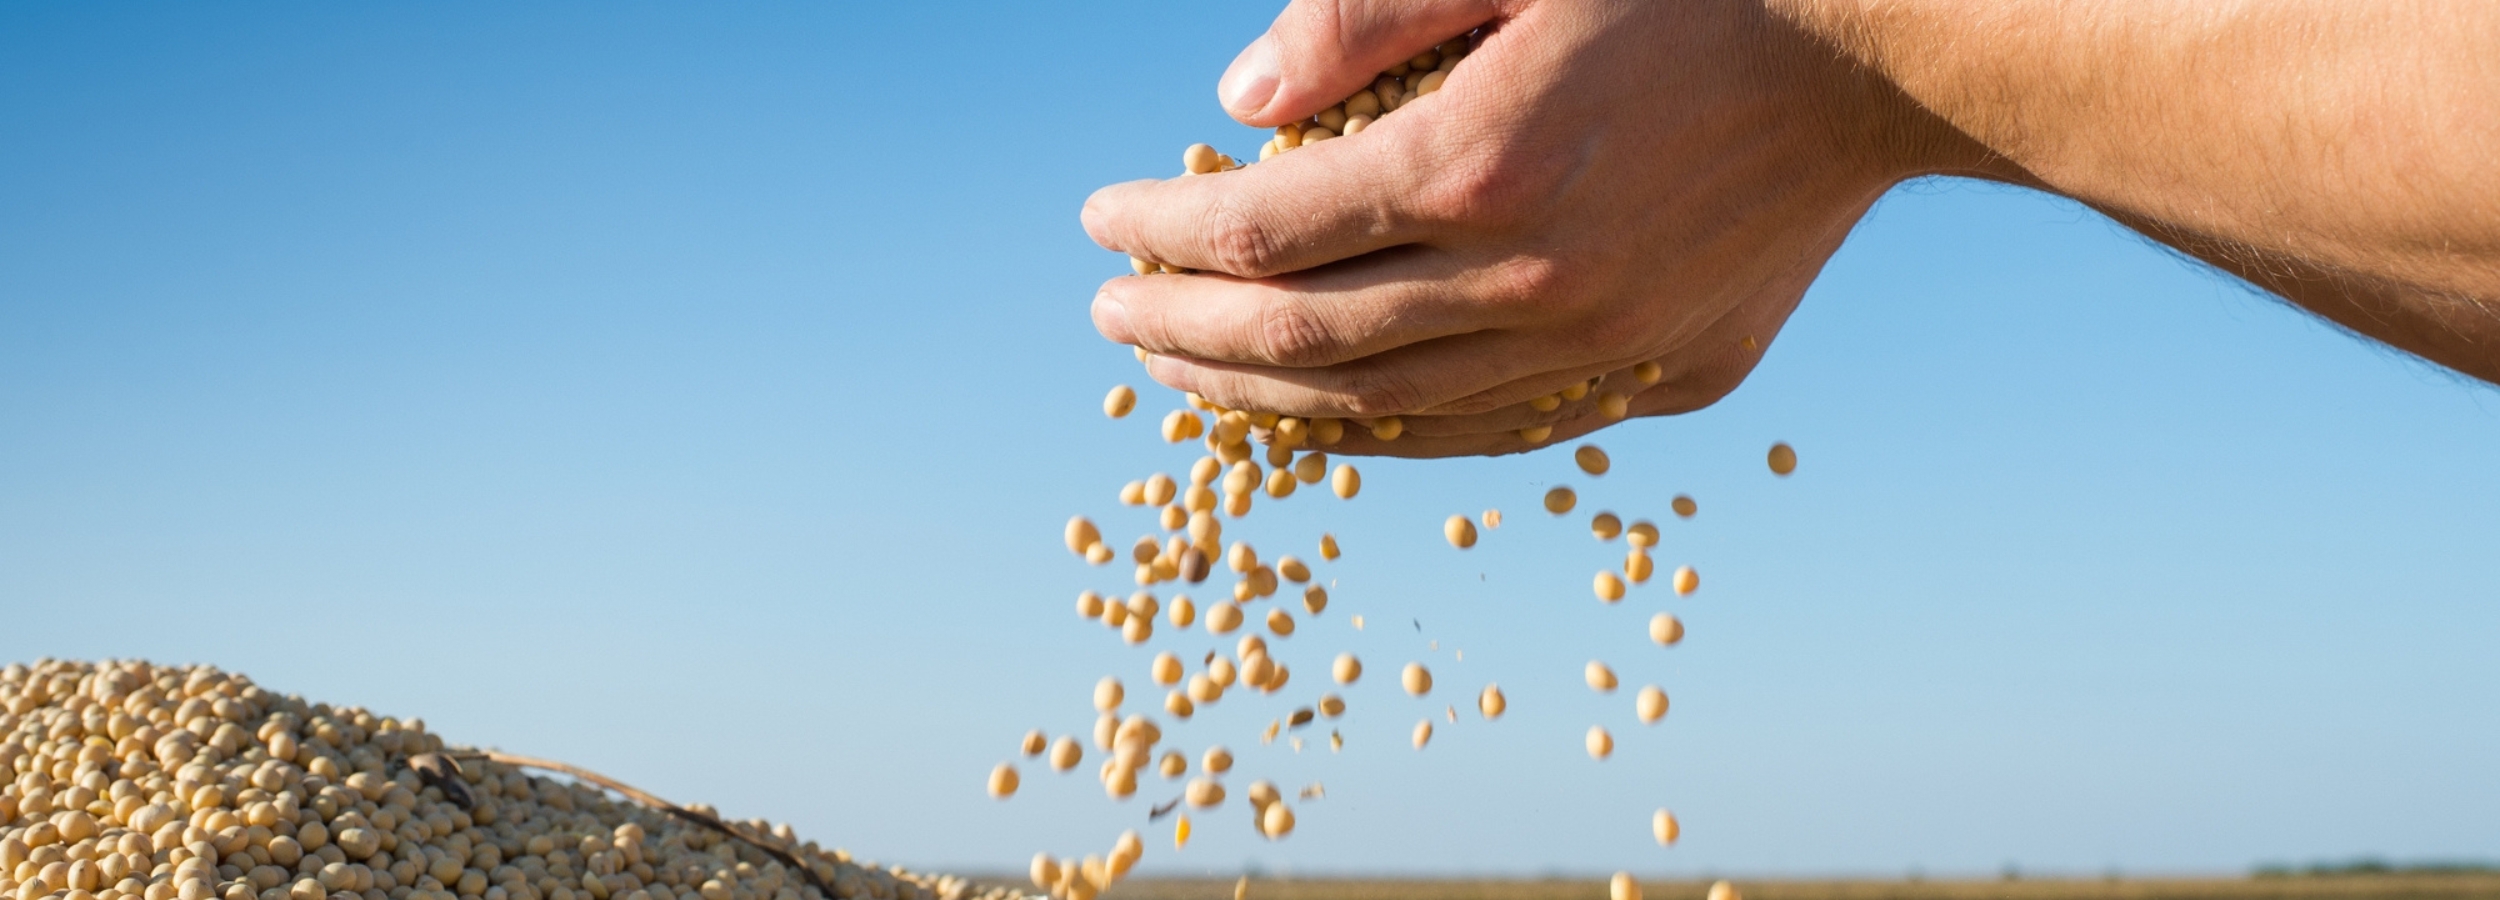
<point x="1605" y="182"/>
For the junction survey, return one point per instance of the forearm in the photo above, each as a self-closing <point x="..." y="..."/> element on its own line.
<point x="2339" y="154"/>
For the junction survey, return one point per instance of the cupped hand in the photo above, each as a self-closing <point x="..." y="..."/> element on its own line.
<point x="1599" y="184"/>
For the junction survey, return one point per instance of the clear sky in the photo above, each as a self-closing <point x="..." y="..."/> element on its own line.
<point x="695" y="392"/>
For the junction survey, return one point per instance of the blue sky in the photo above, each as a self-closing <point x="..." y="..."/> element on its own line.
<point x="695" y="393"/>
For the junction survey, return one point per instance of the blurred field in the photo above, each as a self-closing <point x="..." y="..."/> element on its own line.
<point x="2372" y="887"/>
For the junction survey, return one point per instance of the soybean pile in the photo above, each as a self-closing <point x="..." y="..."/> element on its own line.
<point x="133" y="781"/>
<point x="1184" y="544"/>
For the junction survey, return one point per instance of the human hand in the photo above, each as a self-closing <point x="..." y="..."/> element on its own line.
<point x="1600" y="185"/>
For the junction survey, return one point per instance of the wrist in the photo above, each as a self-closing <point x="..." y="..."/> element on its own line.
<point x="1852" y="63"/>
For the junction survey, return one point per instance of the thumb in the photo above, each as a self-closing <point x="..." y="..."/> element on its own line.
<point x="1319" y="51"/>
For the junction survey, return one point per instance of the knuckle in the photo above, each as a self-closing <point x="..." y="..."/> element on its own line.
<point x="1381" y="391"/>
<point x="1240" y="242"/>
<point x="1290" y="336"/>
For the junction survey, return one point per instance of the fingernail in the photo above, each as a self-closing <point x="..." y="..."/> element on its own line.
<point x="1110" y="318"/>
<point x="1250" y="82"/>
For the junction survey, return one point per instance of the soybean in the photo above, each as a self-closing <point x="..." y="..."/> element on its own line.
<point x="1003" y="781"/>
<point x="1416" y="679"/>
<point x="1560" y="500"/>
<point x="1609" y="588"/>
<point x="1684" y="506"/>
<point x="1662" y="825"/>
<point x="1600" y="678"/>
<point x="1346" y="482"/>
<point x="1423" y="733"/>
<point x="1347" y="668"/>
<point x="1591" y="459"/>
<point x="1665" y="629"/>
<point x="1642" y="534"/>
<point x="1491" y="702"/>
<point x="1650" y="705"/>
<point x="1783" y="460"/>
<point x="1605" y="526"/>
<point x="1600" y="744"/>
<point x="1460" y="532"/>
<point x="1622" y="887"/>
<point x="1121" y="399"/>
<point x="1686" y="580"/>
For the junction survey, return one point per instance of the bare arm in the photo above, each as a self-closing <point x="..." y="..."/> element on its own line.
<point x="1604" y="188"/>
<point x="2339" y="154"/>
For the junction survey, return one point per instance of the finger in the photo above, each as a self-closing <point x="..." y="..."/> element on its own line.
<point x="1412" y="377"/>
<point x="1328" y="201"/>
<point x="1319" y="51"/>
<point x="1667" y="398"/>
<point x="1320" y="317"/>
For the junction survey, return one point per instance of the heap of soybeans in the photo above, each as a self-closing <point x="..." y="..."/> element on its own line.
<point x="1185" y="546"/>
<point x="132" y="781"/>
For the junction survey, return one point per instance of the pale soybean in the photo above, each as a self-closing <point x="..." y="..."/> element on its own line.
<point x="1560" y="500"/>
<point x="1650" y="704"/>
<point x="1003" y="781"/>
<point x="1622" y="887"/>
<point x="1605" y="526"/>
<point x="1608" y="587"/>
<point x="1347" y="668"/>
<point x="1662" y="825"/>
<point x="1346" y="482"/>
<point x="1686" y="580"/>
<point x="1665" y="629"/>
<point x="1600" y="744"/>
<point x="1460" y="532"/>
<point x="1118" y="403"/>
<point x="1416" y="679"/>
<point x="1491" y="703"/>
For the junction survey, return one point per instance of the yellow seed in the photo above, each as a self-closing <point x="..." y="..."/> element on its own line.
<point x="1242" y="557"/>
<point x="1222" y="671"/>
<point x="1601" y="744"/>
<point x="1665" y="629"/>
<point x="1205" y="531"/>
<point x="1172" y="764"/>
<point x="1200" y="159"/>
<point x="1622" y="887"/>
<point x="1292" y="569"/>
<point x="1783" y="461"/>
<point x="1099" y="553"/>
<point x="1347" y="668"/>
<point x="1347" y="482"/>
<point x="1416" y="679"/>
<point x="1089" y="605"/>
<point x="1137" y="630"/>
<point x="1258" y="670"/>
<point x="1203" y="792"/>
<point x="1082" y="535"/>
<point x="1460" y="532"/>
<point x="1175" y="518"/>
<point x="1591" y="459"/>
<point x="1133" y="494"/>
<point x="1605" y="526"/>
<point x="1262" y="582"/>
<point x="1159" y="489"/>
<point x="1576" y="391"/>
<point x="1223" y="617"/>
<point x="1277" y="821"/>
<point x="1237" y="505"/>
<point x="1614" y="405"/>
<point x="1276" y="681"/>
<point x="1387" y="428"/>
<point x="1609" y="588"/>
<point x="1492" y="518"/>
<point x="1491" y="702"/>
<point x="1184" y="611"/>
<point x="1642" y="534"/>
<point x="1179" y="425"/>
<point x="1065" y="753"/>
<point x="1180" y="833"/>
<point x="1336" y="742"/>
<point x="1280" y="483"/>
<point x="1241" y="889"/>
<point x="1279" y="456"/>
<point x="1684" y="506"/>
<point x="1314" y="599"/>
<point x="1560" y="500"/>
<point x="1203" y="689"/>
<point x="1328" y="547"/>
<point x="1547" y="403"/>
<point x="1205" y="471"/>
<point x="1145" y="550"/>
<point x="1216" y="761"/>
<point x="1262" y="794"/>
<point x="1637" y="566"/>
<point x="1106" y="727"/>
<point x="1003" y="781"/>
<point x="1311" y="468"/>
<point x="1650" y="705"/>
<point x="1331" y="705"/>
<point x="1045" y="871"/>
<point x="1536" y="434"/>
<point x="1166" y="668"/>
<point x="1648" y="372"/>
<point x="1600" y="678"/>
<point x="1108" y="694"/>
<point x="1035" y="742"/>
<point x="1121" y="399"/>
<point x="1723" y="890"/>
<point x="1686" y="580"/>
<point x="1121" y="784"/>
<point x="1663" y="826"/>
<point x="1142" y="267"/>
<point x="1423" y="733"/>
<point x="1279" y="623"/>
<point x="1177" y="703"/>
<point x="1243" y="476"/>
